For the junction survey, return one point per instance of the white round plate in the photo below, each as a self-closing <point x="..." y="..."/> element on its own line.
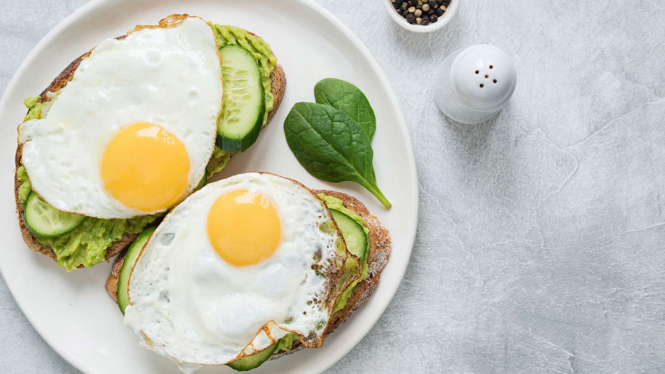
<point x="71" y="311"/>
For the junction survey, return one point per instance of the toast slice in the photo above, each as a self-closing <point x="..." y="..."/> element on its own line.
<point x="379" y="253"/>
<point x="278" y="79"/>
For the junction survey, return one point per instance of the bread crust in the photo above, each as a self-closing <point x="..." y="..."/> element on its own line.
<point x="278" y="79"/>
<point x="379" y="254"/>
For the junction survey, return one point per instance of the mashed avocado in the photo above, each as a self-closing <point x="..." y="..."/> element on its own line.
<point x="34" y="106"/>
<point x="25" y="188"/>
<point x="258" y="48"/>
<point x="286" y="343"/>
<point x="87" y="244"/>
<point x="217" y="162"/>
<point x="343" y="299"/>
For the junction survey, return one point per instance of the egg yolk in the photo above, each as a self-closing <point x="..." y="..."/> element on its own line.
<point x="145" y="167"/>
<point x="243" y="227"/>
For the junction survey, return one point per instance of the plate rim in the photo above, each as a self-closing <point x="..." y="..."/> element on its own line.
<point x="401" y="268"/>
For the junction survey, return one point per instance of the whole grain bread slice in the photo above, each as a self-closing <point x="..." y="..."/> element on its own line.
<point x="277" y="78"/>
<point x="379" y="253"/>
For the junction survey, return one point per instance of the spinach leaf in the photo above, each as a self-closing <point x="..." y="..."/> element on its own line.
<point x="331" y="146"/>
<point x="349" y="99"/>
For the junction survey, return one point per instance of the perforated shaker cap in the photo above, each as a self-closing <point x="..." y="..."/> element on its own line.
<point x="483" y="77"/>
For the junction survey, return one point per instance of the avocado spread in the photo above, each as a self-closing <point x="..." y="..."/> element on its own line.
<point x="217" y="162"/>
<point x="286" y="343"/>
<point x="34" y="106"/>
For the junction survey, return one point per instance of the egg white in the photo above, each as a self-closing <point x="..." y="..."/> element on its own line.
<point x="168" y="76"/>
<point x="188" y="304"/>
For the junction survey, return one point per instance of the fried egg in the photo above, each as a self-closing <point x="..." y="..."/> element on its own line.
<point x="235" y="267"/>
<point x="132" y="132"/>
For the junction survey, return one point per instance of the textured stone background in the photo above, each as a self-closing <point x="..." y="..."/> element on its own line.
<point x="539" y="248"/>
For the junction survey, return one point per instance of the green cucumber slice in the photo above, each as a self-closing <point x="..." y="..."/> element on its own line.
<point x="126" y="270"/>
<point x="353" y="233"/>
<point x="244" y="105"/>
<point x="253" y="361"/>
<point x="46" y="221"/>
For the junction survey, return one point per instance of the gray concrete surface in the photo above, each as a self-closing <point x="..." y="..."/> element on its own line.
<point x="540" y="241"/>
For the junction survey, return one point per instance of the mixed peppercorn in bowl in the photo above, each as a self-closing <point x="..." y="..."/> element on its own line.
<point x="421" y="12"/>
<point x="421" y="15"/>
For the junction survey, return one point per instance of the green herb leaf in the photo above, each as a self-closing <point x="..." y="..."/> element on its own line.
<point x="331" y="146"/>
<point x="348" y="98"/>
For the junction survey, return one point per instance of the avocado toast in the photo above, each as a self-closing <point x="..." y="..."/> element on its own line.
<point x="94" y="240"/>
<point x="364" y="237"/>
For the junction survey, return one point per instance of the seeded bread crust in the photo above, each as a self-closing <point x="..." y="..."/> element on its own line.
<point x="379" y="253"/>
<point x="278" y="79"/>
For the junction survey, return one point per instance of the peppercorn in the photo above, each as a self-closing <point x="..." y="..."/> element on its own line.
<point x="421" y="12"/>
